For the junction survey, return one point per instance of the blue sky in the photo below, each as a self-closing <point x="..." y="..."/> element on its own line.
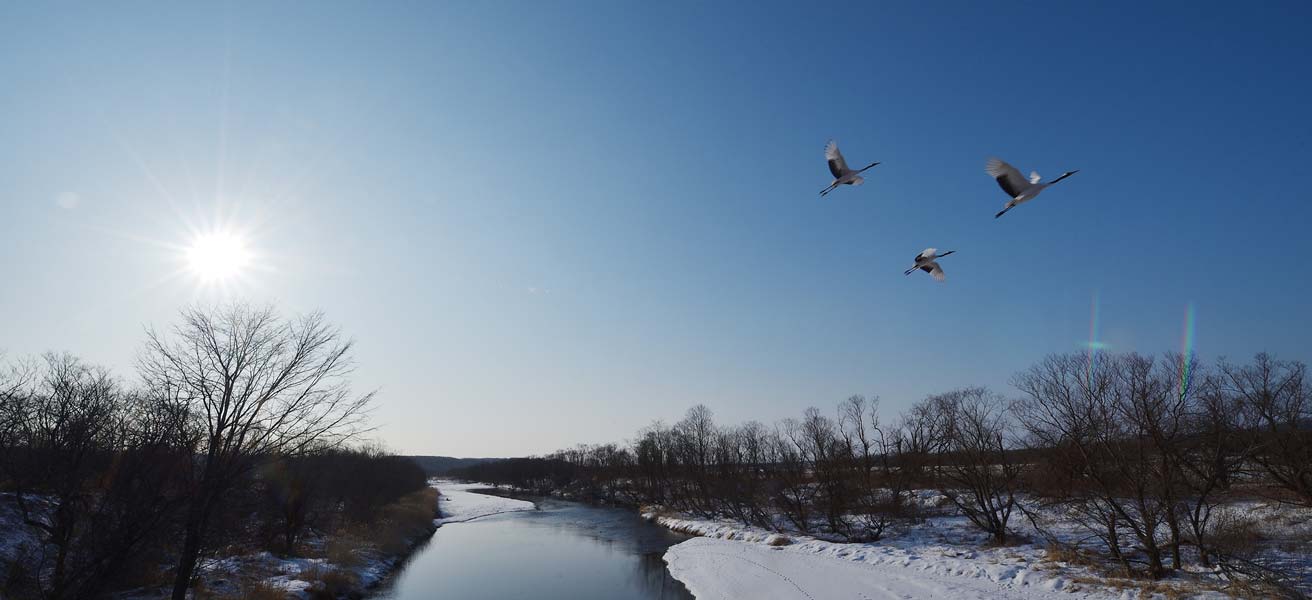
<point x="549" y="223"/>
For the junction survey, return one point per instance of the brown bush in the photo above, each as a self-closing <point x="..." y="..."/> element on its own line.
<point x="331" y="584"/>
<point x="341" y="550"/>
<point x="403" y="521"/>
<point x="1236" y="536"/>
<point x="1063" y="553"/>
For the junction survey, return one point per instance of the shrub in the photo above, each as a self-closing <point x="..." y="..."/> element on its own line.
<point x="261" y="590"/>
<point x="331" y="584"/>
<point x="341" y="550"/>
<point x="404" y="520"/>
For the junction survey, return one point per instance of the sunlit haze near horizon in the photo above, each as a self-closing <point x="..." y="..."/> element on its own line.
<point x="553" y="223"/>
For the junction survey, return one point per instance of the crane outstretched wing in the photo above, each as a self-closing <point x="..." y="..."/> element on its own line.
<point x="934" y="271"/>
<point x="926" y="254"/>
<point x="1009" y="179"/>
<point x="837" y="165"/>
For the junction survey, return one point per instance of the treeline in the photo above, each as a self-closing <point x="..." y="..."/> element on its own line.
<point x="234" y="439"/>
<point x="436" y="466"/>
<point x="1140" y="452"/>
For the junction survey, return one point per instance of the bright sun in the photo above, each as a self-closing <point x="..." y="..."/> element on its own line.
<point x="218" y="256"/>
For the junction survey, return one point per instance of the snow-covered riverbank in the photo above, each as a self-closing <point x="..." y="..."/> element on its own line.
<point x="458" y="504"/>
<point x="732" y="562"/>
<point x="944" y="556"/>
<point x="940" y="558"/>
<point x="729" y="569"/>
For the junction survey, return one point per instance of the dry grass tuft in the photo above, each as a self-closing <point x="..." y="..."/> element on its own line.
<point x="651" y="512"/>
<point x="331" y="584"/>
<point x="404" y="521"/>
<point x="341" y="550"/>
<point x="398" y="526"/>
<point x="261" y="590"/>
<point x="686" y="529"/>
<point x="1070" y="555"/>
<point x="1237" y="534"/>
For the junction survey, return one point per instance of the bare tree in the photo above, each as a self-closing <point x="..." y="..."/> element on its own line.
<point x="862" y="437"/>
<point x="654" y="457"/>
<point x="1121" y="422"/>
<point x="794" y="492"/>
<point x="91" y="467"/>
<point x="975" y="455"/>
<point x="695" y="437"/>
<point x="1216" y="449"/>
<point x="257" y="386"/>
<point x="1068" y="408"/>
<point x="822" y="447"/>
<point x="740" y="454"/>
<point x="64" y="427"/>
<point x="14" y="380"/>
<point x="906" y="451"/>
<point x="1154" y="398"/>
<point x="1277" y="404"/>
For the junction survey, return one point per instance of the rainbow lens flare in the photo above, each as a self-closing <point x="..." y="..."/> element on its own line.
<point x="1187" y="347"/>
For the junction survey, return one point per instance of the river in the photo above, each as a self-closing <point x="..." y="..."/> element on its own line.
<point x="561" y="551"/>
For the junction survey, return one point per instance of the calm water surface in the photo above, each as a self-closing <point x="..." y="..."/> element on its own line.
<point x="562" y="551"/>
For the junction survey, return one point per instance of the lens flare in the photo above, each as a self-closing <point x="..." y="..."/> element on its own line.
<point x="1187" y="348"/>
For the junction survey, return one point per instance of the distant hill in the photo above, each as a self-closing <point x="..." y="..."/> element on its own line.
<point x="442" y="465"/>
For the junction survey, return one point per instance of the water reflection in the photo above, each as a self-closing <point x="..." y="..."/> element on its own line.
<point x="561" y="551"/>
<point x="650" y="574"/>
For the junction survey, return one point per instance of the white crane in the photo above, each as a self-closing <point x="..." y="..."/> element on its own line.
<point x="925" y="261"/>
<point x="1016" y="186"/>
<point x="838" y="166"/>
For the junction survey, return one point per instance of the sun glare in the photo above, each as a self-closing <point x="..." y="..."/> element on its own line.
<point x="218" y="256"/>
